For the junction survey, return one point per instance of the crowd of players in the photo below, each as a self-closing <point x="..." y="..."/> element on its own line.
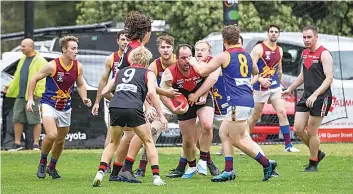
<point x="226" y="92"/>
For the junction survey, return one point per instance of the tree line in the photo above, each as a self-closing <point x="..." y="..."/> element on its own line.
<point x="189" y="20"/>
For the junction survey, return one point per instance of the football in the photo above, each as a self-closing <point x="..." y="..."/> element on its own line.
<point x="180" y="100"/>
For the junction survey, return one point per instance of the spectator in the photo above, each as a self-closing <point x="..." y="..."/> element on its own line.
<point x="28" y="65"/>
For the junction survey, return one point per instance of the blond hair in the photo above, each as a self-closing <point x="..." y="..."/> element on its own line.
<point x="64" y="41"/>
<point x="206" y="42"/>
<point x="140" y="55"/>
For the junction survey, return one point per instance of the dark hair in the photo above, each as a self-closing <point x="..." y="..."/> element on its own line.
<point x="273" y="26"/>
<point x="182" y="46"/>
<point x="241" y="40"/>
<point x="310" y="27"/>
<point x="121" y="33"/>
<point x="137" y="25"/>
<point x="231" y="34"/>
<point x="167" y="38"/>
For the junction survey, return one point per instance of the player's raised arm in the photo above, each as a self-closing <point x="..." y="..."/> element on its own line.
<point x="206" y="69"/>
<point x="205" y="87"/>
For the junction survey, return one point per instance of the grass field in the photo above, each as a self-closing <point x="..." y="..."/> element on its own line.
<point x="78" y="168"/>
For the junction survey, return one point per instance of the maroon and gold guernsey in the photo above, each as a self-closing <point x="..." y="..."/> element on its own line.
<point x="60" y="84"/>
<point x="267" y="65"/>
<point x="314" y="72"/>
<point x="160" y="68"/>
<point x="116" y="59"/>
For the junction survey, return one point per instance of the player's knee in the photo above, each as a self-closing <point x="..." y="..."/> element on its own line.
<point x="189" y="143"/>
<point x="206" y="127"/>
<point x="282" y="114"/>
<point x="312" y="132"/>
<point x="298" y="128"/>
<point x="51" y="135"/>
<point x="146" y="139"/>
<point x="125" y="141"/>
<point x="207" y="131"/>
<point x="255" y="116"/>
<point x="127" y="137"/>
<point x="238" y="142"/>
<point x="223" y="137"/>
<point x="114" y="141"/>
<point x="60" y="142"/>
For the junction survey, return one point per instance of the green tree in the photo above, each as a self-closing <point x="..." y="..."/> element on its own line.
<point x="256" y="16"/>
<point x="193" y="20"/>
<point x="189" y="20"/>
<point x="330" y="16"/>
<point x="46" y="14"/>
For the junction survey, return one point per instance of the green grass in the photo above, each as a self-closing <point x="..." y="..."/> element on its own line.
<point x="78" y="168"/>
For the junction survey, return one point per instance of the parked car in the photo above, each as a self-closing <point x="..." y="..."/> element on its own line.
<point x="86" y="130"/>
<point x="339" y="120"/>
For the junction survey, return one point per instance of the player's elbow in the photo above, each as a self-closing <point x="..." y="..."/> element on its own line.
<point x="107" y="96"/>
<point x="152" y="95"/>
<point x="81" y="86"/>
<point x="203" y="73"/>
<point x="255" y="71"/>
<point x="104" y="92"/>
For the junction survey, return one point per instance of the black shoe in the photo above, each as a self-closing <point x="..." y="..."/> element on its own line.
<point x="320" y="155"/>
<point x="312" y="167"/>
<point x="269" y="170"/>
<point x="114" y="177"/>
<point x="140" y="172"/>
<point x="175" y="173"/>
<point x="15" y="148"/>
<point x="54" y="174"/>
<point x="41" y="171"/>
<point x="213" y="169"/>
<point x="128" y="176"/>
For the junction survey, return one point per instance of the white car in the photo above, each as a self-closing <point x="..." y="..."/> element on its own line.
<point x="338" y="125"/>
